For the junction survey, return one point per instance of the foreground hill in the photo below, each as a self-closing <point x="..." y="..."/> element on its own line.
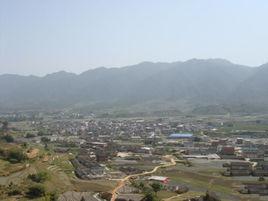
<point x="213" y="85"/>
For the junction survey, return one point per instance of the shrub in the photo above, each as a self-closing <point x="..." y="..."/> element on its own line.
<point x="45" y="139"/>
<point x="15" y="191"/>
<point x="39" y="177"/>
<point x="8" y="138"/>
<point x="149" y="196"/>
<point x="15" y="156"/>
<point x="36" y="191"/>
<point x="156" y="187"/>
<point x="53" y="196"/>
<point x="30" y="135"/>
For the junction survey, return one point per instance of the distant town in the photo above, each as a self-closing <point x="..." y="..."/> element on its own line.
<point x="70" y="156"/>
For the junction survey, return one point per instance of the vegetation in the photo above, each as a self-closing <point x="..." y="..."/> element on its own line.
<point x="8" y="138"/>
<point x="149" y="191"/>
<point x="14" y="155"/>
<point x="205" y="77"/>
<point x="149" y="196"/>
<point x="156" y="186"/>
<point x="40" y="177"/>
<point x="30" y="135"/>
<point x="36" y="191"/>
<point x="14" y="190"/>
<point x="4" y="125"/>
<point x="52" y="196"/>
<point x="45" y="140"/>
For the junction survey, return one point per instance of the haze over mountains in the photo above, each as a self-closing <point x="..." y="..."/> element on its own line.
<point x="194" y="86"/>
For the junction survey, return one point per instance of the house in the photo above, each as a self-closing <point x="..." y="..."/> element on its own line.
<point x="181" y="136"/>
<point x="161" y="179"/>
<point x="226" y="150"/>
<point x="255" y="188"/>
<point x="250" y="152"/>
<point x="261" y="169"/>
<point x="239" y="169"/>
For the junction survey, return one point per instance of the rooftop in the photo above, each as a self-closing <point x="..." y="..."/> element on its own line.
<point x="181" y="135"/>
<point x="158" y="178"/>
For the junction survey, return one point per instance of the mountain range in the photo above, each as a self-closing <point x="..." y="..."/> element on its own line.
<point x="194" y="86"/>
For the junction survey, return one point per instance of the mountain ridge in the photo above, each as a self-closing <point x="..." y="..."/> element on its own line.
<point x="185" y="86"/>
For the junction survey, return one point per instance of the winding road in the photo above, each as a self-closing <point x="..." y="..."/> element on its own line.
<point x="123" y="181"/>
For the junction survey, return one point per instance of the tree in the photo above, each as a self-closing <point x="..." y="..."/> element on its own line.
<point x="156" y="187"/>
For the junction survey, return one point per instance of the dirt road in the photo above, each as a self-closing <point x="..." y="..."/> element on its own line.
<point x="123" y="181"/>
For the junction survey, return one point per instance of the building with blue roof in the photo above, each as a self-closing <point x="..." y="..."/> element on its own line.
<point x="180" y="136"/>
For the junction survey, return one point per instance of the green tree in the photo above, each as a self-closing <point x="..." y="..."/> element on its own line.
<point x="156" y="186"/>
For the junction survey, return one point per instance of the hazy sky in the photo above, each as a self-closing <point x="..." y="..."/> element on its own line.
<point x="43" y="36"/>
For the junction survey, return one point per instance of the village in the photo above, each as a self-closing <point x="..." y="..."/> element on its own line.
<point x="178" y="158"/>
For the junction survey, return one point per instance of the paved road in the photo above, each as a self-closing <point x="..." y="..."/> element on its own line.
<point x="123" y="181"/>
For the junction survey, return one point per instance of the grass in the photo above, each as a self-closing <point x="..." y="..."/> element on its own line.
<point x="165" y="194"/>
<point x="7" y="168"/>
<point x="187" y="195"/>
<point x="94" y="185"/>
<point x="249" y="126"/>
<point x="198" y="182"/>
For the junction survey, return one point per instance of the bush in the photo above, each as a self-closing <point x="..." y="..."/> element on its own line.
<point x="156" y="187"/>
<point x="45" y="139"/>
<point x="52" y="196"/>
<point x="2" y="153"/>
<point x="30" y="135"/>
<point x="15" y="156"/>
<point x="39" y="177"/>
<point x="8" y="138"/>
<point x="150" y="197"/>
<point x="5" y="125"/>
<point x="13" y="192"/>
<point x="36" y="191"/>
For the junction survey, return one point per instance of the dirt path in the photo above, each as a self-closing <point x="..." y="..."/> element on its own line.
<point x="171" y="198"/>
<point x="17" y="176"/>
<point x="123" y="181"/>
